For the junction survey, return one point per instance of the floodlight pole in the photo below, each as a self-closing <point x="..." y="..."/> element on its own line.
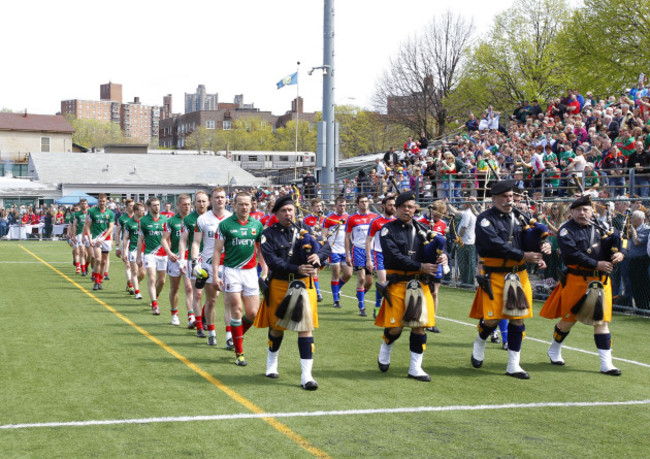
<point x="328" y="175"/>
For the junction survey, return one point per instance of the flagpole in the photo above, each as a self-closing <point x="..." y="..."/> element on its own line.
<point x="295" y="162"/>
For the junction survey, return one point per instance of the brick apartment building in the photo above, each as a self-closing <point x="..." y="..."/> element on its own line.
<point x="174" y="130"/>
<point x="137" y="121"/>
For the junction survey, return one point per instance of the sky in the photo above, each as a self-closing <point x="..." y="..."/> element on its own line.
<point x="54" y="51"/>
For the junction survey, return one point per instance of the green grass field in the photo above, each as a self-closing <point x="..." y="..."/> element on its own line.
<point x="68" y="354"/>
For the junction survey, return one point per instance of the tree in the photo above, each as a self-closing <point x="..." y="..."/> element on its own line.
<point x="425" y="71"/>
<point x="607" y="44"/>
<point x="94" y="133"/>
<point x="363" y="131"/>
<point x="519" y="60"/>
<point x="198" y="139"/>
<point x="286" y="137"/>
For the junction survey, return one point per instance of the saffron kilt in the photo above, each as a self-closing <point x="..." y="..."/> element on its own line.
<point x="486" y="309"/>
<point x="389" y="317"/>
<point x="277" y="289"/>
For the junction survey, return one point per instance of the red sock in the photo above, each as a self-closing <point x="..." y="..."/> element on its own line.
<point x="129" y="284"/>
<point x="211" y="327"/>
<point x="76" y="263"/>
<point x="174" y="312"/>
<point x="154" y="303"/>
<point x="228" y="328"/>
<point x="137" y="291"/>
<point x="199" y="323"/>
<point x="238" y="338"/>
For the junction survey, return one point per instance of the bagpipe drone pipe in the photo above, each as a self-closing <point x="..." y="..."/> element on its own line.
<point x="534" y="234"/>
<point x="590" y="308"/>
<point x="434" y="245"/>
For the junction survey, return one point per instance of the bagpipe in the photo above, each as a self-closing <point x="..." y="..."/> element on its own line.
<point x="433" y="245"/>
<point x="611" y="241"/>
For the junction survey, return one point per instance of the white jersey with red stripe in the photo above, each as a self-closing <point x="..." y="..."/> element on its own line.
<point x="358" y="226"/>
<point x="208" y="224"/>
<point x="337" y="240"/>
<point x="374" y="231"/>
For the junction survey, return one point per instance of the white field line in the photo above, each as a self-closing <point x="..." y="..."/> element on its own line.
<point x="416" y="409"/>
<point x="460" y="322"/>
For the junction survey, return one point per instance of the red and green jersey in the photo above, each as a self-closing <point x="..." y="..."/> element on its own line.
<point x="80" y="219"/>
<point x="239" y="241"/>
<point x="120" y="224"/>
<point x="189" y="225"/>
<point x="100" y="221"/>
<point x="152" y="231"/>
<point x="132" y="228"/>
<point x="174" y="226"/>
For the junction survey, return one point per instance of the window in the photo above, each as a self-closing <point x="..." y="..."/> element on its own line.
<point x="45" y="144"/>
<point x="210" y="124"/>
<point x="252" y="158"/>
<point x="227" y="125"/>
<point x="283" y="158"/>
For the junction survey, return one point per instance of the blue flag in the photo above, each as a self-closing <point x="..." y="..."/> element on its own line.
<point x="288" y="80"/>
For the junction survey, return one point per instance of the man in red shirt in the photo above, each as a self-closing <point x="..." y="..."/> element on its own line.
<point x="374" y="253"/>
<point x="355" y="248"/>
<point x="314" y="223"/>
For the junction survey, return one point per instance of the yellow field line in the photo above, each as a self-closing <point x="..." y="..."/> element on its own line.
<point x="280" y="427"/>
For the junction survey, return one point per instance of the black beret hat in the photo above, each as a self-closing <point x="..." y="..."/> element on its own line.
<point x="502" y="187"/>
<point x="403" y="197"/>
<point x="281" y="202"/>
<point x="581" y="201"/>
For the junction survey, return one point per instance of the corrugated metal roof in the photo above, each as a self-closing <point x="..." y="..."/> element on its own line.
<point x="137" y="169"/>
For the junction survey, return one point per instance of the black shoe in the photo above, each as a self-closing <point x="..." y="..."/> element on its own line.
<point x="362" y="312"/>
<point x="310" y="385"/>
<point x="100" y="286"/>
<point x="433" y="329"/>
<point x="504" y="346"/>
<point x="84" y="273"/>
<point x="519" y="375"/>
<point x="612" y="372"/>
<point x="212" y="340"/>
<point x="494" y="338"/>
<point x="96" y="286"/>
<point x="200" y="333"/>
<point x="106" y="277"/>
<point x="559" y="363"/>
<point x="272" y="375"/>
<point x="319" y="297"/>
<point x="230" y="345"/>
<point x="476" y="363"/>
<point x="383" y="366"/>
<point x="424" y="378"/>
<point x="337" y="304"/>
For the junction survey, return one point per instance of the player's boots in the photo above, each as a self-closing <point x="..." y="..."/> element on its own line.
<point x="272" y="364"/>
<point x="513" y="369"/>
<point x="415" y="369"/>
<point x="306" y="380"/>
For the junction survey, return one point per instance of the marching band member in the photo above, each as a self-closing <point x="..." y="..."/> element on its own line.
<point x="504" y="289"/>
<point x="290" y="280"/>
<point x="407" y="297"/>
<point x="589" y="263"/>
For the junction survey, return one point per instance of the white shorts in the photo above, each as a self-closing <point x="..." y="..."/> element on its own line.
<point x="150" y="260"/>
<point x="133" y="256"/>
<point x="106" y="245"/>
<point x="208" y="268"/>
<point x="80" y="241"/>
<point x="241" y="280"/>
<point x="174" y="268"/>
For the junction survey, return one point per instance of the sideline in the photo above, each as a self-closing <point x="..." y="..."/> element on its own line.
<point x="283" y="429"/>
<point x="415" y="409"/>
